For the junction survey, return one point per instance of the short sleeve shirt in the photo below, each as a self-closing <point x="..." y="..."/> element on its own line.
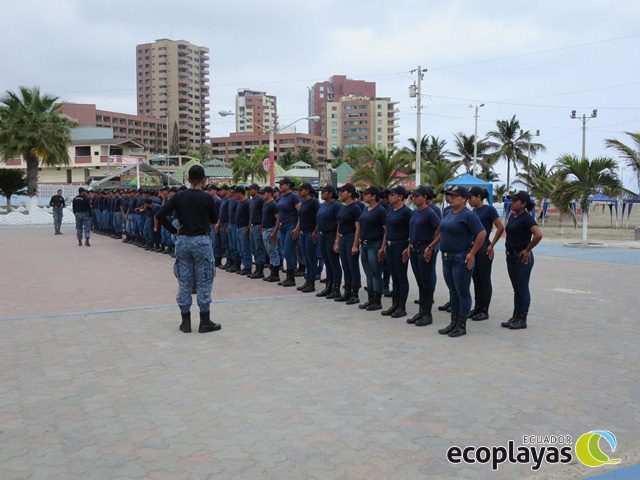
<point x="372" y="223"/>
<point x="347" y="217"/>
<point x="518" y="230"/>
<point x="287" y="208"/>
<point x="457" y="231"/>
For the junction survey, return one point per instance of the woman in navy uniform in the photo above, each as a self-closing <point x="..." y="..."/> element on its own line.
<point x="196" y="212"/>
<point x="523" y="234"/>
<point x="461" y="236"/>
<point x="347" y="243"/>
<point x="288" y="205"/>
<point x="326" y="227"/>
<point x="397" y="222"/>
<point x="307" y="213"/>
<point x="373" y="244"/>
<point x="489" y="218"/>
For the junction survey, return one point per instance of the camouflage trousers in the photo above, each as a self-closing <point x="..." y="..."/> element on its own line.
<point x="194" y="266"/>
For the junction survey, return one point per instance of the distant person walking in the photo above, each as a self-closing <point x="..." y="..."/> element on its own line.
<point x="57" y="203"/>
<point x="82" y="210"/>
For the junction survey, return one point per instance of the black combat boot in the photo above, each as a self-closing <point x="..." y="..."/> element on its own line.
<point x="300" y="272"/>
<point x="481" y="315"/>
<point x="310" y="287"/>
<point x="290" y="281"/>
<point x="400" y="310"/>
<point x="519" y="322"/>
<point x="246" y="272"/>
<point x="376" y="302"/>
<point x="226" y="265"/>
<point x="306" y="282"/>
<point x="445" y="308"/>
<point x="335" y="291"/>
<point x="185" y="326"/>
<point x="427" y="318"/>
<point x="460" y="328"/>
<point x="206" y="325"/>
<point x="394" y="304"/>
<point x="218" y="262"/>
<point x="86" y="242"/>
<point x="364" y="305"/>
<point x="345" y="296"/>
<point x="386" y="292"/>
<point x="275" y="274"/>
<point x="353" y="299"/>
<point x="79" y="242"/>
<point x="451" y="326"/>
<point x="475" y="310"/>
<point x="510" y="321"/>
<point x="327" y="290"/>
<point x="418" y="315"/>
<point x="259" y="273"/>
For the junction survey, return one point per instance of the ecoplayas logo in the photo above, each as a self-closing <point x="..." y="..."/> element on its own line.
<point x="537" y="450"/>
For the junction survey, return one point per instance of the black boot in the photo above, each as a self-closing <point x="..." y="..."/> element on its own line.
<point x="206" y="325"/>
<point x="353" y="299"/>
<point x="481" y="315"/>
<point x="400" y="310"/>
<point x="218" y="262"/>
<point x="386" y="292"/>
<point x="326" y="291"/>
<point x="185" y="326"/>
<point x="79" y="242"/>
<point x="226" y="265"/>
<point x="460" y="328"/>
<point x="290" y="281"/>
<point x="300" y="271"/>
<point x="389" y="311"/>
<point x="345" y="296"/>
<point x="418" y="315"/>
<point x="510" y="321"/>
<point x="376" y="303"/>
<point x="364" y="305"/>
<point x="246" y="272"/>
<point x="451" y="326"/>
<point x="311" y="286"/>
<point x="233" y="268"/>
<point x="426" y="318"/>
<point x="259" y="273"/>
<point x="519" y="322"/>
<point x="86" y="242"/>
<point x="275" y="274"/>
<point x="304" y="285"/>
<point x="335" y="291"/>
<point x="475" y="310"/>
<point x="445" y="308"/>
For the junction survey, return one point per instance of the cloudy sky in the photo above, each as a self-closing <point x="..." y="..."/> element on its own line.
<point x="536" y="60"/>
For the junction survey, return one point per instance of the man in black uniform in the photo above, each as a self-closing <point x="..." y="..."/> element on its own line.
<point x="57" y="203"/>
<point x="196" y="213"/>
<point x="82" y="211"/>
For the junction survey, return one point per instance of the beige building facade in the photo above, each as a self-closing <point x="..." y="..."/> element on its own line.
<point x="253" y="107"/>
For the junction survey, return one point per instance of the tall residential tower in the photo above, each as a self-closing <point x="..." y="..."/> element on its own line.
<point x="258" y="107"/>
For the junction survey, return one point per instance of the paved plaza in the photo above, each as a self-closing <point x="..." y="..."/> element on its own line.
<point x="98" y="383"/>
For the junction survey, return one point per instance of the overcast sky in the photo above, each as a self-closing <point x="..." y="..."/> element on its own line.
<point x="501" y="53"/>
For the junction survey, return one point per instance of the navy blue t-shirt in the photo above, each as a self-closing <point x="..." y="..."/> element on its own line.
<point x="519" y="231"/>
<point x="269" y="212"/>
<point x="242" y="213"/>
<point x="398" y="223"/>
<point x="457" y="231"/>
<point x="224" y="211"/>
<point x="326" y="217"/>
<point x="436" y="208"/>
<point x="372" y="223"/>
<point x="423" y="225"/>
<point x="232" y="206"/>
<point x="255" y="206"/>
<point x="287" y="207"/>
<point x="308" y="212"/>
<point x="347" y="217"/>
<point x="487" y="215"/>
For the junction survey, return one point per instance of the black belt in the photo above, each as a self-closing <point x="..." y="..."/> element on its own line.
<point x="332" y="232"/>
<point x="514" y="253"/>
<point x="367" y="242"/>
<point x="389" y="240"/>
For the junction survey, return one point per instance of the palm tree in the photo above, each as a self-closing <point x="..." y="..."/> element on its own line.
<point x="630" y="154"/>
<point x="245" y="166"/>
<point x="465" y="146"/>
<point x="499" y="191"/>
<point x="581" y="178"/>
<point x="538" y="179"/>
<point x="488" y="173"/>
<point x="12" y="181"/>
<point x="31" y="126"/>
<point x="438" y="173"/>
<point x="174" y="146"/>
<point x="424" y="145"/>
<point x="336" y="152"/>
<point x="355" y="156"/>
<point x="512" y="145"/>
<point x="287" y="159"/>
<point x="384" y="168"/>
<point x="304" y="155"/>
<point x="436" y="150"/>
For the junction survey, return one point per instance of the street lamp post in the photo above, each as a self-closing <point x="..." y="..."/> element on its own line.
<point x="272" y="132"/>
<point x="584" y="120"/>
<point x="475" y="137"/>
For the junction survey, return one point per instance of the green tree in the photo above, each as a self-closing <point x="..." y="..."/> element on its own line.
<point x="538" y="179"/>
<point x="436" y="150"/>
<point x="31" y="126"/>
<point x="509" y="143"/>
<point x="250" y="166"/>
<point x="580" y="178"/>
<point x="304" y="155"/>
<point x="464" y="152"/>
<point x="355" y="156"/>
<point x="384" y="168"/>
<point x="174" y="146"/>
<point x="287" y="159"/>
<point x="488" y="173"/>
<point x="630" y="154"/>
<point x="438" y="173"/>
<point x="11" y="182"/>
<point x="424" y="144"/>
<point x="499" y="191"/>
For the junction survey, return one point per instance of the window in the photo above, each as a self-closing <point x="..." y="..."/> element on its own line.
<point x="333" y="115"/>
<point x="83" y="151"/>
<point x="334" y="124"/>
<point x="379" y="129"/>
<point x="334" y="108"/>
<point x="334" y="131"/>
<point x="322" y="95"/>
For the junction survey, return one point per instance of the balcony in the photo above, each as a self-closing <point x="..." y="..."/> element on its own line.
<point x="82" y="159"/>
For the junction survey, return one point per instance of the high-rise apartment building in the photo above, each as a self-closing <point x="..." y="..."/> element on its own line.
<point x="258" y="107"/>
<point x="336" y="87"/>
<point x="354" y="121"/>
<point x="173" y="81"/>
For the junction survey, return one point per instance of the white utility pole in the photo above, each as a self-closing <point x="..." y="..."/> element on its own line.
<point x="416" y="91"/>
<point x="475" y="138"/>
<point x="584" y="118"/>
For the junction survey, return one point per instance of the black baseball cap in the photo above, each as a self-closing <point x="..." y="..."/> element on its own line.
<point x="286" y="180"/>
<point x="424" y="191"/>
<point x="266" y="190"/>
<point x="329" y="188"/>
<point x="399" y="190"/>
<point x="239" y="189"/>
<point x="254" y="186"/>
<point x="373" y="190"/>
<point x="196" y="172"/>
<point x="457" y="190"/>
<point x="478" y="192"/>
<point x="348" y="187"/>
<point x="306" y="186"/>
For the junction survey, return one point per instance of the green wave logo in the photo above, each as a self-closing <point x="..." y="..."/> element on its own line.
<point x="588" y="450"/>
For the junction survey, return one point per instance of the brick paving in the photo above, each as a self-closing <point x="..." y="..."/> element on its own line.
<point x="98" y="383"/>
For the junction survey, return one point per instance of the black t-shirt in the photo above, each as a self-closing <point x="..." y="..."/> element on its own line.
<point x="423" y="225"/>
<point x="195" y="210"/>
<point x="307" y="213"/>
<point x="487" y="215"/>
<point x="224" y="211"/>
<point x="81" y="204"/>
<point x="347" y="217"/>
<point x="242" y="213"/>
<point x="326" y="217"/>
<point x="398" y="223"/>
<point x="232" y="206"/>
<point x="372" y="223"/>
<point x="255" y="207"/>
<point x="57" y="201"/>
<point x="269" y="212"/>
<point x="519" y="231"/>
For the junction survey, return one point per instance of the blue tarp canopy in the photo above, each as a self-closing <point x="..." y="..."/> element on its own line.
<point x="468" y="180"/>
<point x="602" y="198"/>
